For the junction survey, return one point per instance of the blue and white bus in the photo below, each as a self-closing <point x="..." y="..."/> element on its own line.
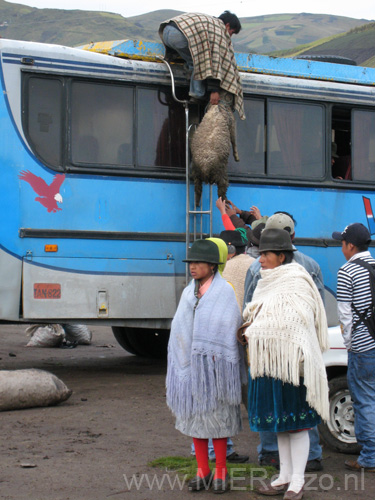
<point x="94" y="194"/>
<point x="93" y="175"/>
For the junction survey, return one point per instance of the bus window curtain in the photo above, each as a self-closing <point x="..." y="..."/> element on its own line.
<point x="363" y="126"/>
<point x="288" y="122"/>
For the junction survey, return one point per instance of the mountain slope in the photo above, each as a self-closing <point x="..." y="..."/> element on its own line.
<point x="283" y="31"/>
<point x="358" y="44"/>
<point x="260" y="34"/>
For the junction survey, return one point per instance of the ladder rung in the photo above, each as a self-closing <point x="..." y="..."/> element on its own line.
<point x="200" y="212"/>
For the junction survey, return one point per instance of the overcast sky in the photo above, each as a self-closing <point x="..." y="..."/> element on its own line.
<point x="359" y="9"/>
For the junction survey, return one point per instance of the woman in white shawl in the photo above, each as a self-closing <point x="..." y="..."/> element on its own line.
<point x="286" y="334"/>
<point x="204" y="364"/>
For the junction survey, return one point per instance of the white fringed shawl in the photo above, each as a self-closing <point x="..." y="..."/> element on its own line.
<point x="204" y="359"/>
<point x="288" y="329"/>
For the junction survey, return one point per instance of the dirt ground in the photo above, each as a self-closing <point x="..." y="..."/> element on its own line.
<point x="97" y="445"/>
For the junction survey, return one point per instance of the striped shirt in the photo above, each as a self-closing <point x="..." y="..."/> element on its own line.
<point x="353" y="286"/>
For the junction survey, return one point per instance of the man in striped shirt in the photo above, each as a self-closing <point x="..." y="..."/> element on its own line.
<point x="354" y="298"/>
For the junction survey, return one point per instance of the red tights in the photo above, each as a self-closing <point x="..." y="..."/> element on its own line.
<point x="201" y="453"/>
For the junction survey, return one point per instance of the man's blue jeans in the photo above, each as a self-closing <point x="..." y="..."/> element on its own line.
<point x="361" y="383"/>
<point x="268" y="444"/>
<point x="176" y="40"/>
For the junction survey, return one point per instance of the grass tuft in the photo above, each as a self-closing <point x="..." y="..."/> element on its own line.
<point x="187" y="467"/>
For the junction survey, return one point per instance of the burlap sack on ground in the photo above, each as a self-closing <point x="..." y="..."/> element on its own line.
<point x="28" y="388"/>
<point x="45" y="335"/>
<point x="78" y="333"/>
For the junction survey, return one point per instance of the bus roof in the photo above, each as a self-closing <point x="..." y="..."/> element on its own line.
<point x="250" y="63"/>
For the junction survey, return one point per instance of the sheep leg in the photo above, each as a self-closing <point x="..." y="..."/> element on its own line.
<point x="233" y="139"/>
<point x="198" y="191"/>
<point x="222" y="187"/>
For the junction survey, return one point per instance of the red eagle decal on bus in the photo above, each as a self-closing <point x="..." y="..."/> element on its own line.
<point x="49" y="195"/>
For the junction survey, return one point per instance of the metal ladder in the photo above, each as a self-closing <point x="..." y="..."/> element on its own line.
<point x="198" y="212"/>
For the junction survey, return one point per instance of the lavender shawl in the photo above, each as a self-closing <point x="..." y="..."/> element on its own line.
<point x="205" y="365"/>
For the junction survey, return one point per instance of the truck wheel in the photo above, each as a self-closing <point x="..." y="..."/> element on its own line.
<point x="338" y="432"/>
<point x="145" y="342"/>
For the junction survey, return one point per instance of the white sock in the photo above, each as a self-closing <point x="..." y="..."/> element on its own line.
<point x="299" y="446"/>
<point x="283" y="442"/>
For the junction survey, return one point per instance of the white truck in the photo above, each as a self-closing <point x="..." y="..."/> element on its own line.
<point x="338" y="431"/>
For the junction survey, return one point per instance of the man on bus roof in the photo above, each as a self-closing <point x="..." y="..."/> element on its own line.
<point x="204" y="42"/>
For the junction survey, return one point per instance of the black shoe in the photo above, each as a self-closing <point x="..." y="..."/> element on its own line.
<point x="235" y="458"/>
<point x="200" y="483"/>
<point x="270" y="459"/>
<point x="314" y="465"/>
<point x="221" y="485"/>
<point x="197" y="100"/>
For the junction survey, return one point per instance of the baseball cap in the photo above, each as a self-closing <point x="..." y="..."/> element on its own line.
<point x="355" y="233"/>
<point x="281" y="221"/>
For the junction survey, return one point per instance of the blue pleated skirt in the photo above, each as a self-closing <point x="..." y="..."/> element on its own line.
<point x="278" y="407"/>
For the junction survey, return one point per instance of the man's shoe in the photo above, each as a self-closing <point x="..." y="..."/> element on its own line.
<point x="292" y="495"/>
<point x="354" y="465"/>
<point x="200" y="483"/>
<point x="197" y="100"/>
<point x="314" y="465"/>
<point x="270" y="459"/>
<point x="235" y="458"/>
<point x="272" y="491"/>
<point x="221" y="485"/>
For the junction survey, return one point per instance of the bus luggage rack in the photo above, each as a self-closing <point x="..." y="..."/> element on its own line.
<point x="197" y="213"/>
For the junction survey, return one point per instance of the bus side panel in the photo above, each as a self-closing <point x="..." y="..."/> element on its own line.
<point x="10" y="288"/>
<point x="55" y="294"/>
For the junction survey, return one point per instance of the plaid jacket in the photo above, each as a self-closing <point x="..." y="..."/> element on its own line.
<point x="212" y="52"/>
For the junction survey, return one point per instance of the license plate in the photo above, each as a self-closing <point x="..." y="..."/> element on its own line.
<point x="47" y="291"/>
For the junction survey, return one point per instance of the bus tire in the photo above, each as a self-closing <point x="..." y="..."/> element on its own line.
<point x="338" y="431"/>
<point x="121" y="335"/>
<point x="144" y="342"/>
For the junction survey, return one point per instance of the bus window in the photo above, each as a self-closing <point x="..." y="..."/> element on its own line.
<point x="341" y="138"/>
<point x="363" y="145"/>
<point x="160" y="130"/>
<point x="101" y="124"/>
<point x="250" y="140"/>
<point x="42" y="126"/>
<point x="295" y="144"/>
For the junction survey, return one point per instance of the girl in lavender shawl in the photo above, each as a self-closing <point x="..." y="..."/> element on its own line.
<point x="205" y="366"/>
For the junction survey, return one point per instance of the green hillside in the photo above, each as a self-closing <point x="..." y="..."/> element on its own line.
<point x="358" y="44"/>
<point x="66" y="27"/>
<point x="284" y="31"/>
<point x="260" y="34"/>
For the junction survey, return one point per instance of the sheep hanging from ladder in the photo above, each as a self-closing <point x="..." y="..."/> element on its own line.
<point x="210" y="147"/>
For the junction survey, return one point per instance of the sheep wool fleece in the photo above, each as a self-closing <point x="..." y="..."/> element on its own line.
<point x="288" y="332"/>
<point x="204" y="359"/>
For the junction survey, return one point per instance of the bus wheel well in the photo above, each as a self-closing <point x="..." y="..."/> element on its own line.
<point x="145" y="342"/>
